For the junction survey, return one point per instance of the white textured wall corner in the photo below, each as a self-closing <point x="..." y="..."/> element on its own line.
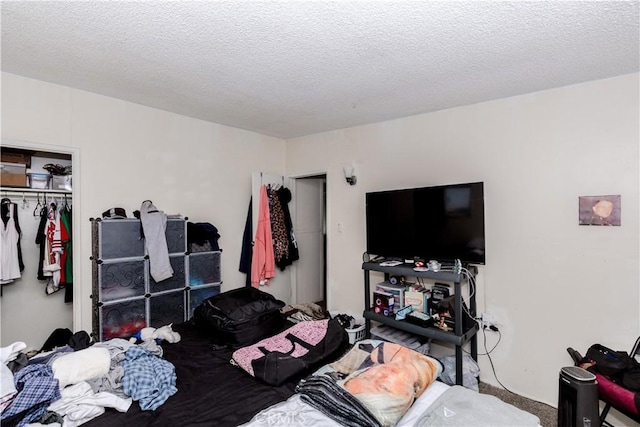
<point x="130" y="153"/>
<point x="545" y="275"/>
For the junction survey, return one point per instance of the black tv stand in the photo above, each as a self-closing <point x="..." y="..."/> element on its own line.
<point x="458" y="337"/>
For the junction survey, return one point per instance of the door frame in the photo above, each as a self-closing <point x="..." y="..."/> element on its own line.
<point x="76" y="239"/>
<point x="292" y="182"/>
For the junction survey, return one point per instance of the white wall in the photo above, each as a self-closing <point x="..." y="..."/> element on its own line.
<point x="129" y="153"/>
<point x="550" y="282"/>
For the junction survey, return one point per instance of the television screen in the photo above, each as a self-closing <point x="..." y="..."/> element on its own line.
<point x="443" y="223"/>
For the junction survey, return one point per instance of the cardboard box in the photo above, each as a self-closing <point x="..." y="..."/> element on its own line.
<point x="13" y="174"/>
<point x="13" y="180"/>
<point x="21" y="158"/>
<point x="418" y="299"/>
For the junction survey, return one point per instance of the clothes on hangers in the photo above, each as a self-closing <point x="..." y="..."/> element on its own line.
<point x="55" y="260"/>
<point x="278" y="227"/>
<point x="10" y="252"/>
<point x="274" y="239"/>
<point x="247" y="247"/>
<point x="40" y="240"/>
<point x="54" y="238"/>
<point x="262" y="262"/>
<point x="66" y="219"/>
<point x="284" y="195"/>
<point x="5" y="215"/>
<point x="285" y="246"/>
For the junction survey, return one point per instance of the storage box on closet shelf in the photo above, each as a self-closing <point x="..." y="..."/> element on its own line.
<point x="355" y="328"/>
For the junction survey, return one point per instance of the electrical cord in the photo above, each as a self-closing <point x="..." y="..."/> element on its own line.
<point x="467" y="274"/>
<point x="493" y="368"/>
<point x="488" y="352"/>
<point x="457" y="268"/>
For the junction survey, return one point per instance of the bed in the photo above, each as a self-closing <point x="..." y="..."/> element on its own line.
<point x="211" y="391"/>
<point x="389" y="401"/>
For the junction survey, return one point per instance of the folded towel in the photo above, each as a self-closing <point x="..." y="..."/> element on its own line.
<point x="83" y="365"/>
<point x="10" y="352"/>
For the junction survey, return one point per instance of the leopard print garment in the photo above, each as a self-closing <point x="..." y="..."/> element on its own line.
<point x="278" y="227"/>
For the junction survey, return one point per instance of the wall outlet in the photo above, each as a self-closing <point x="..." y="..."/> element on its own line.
<point x="488" y="320"/>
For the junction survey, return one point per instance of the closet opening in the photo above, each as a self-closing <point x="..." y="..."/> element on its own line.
<point x="38" y="186"/>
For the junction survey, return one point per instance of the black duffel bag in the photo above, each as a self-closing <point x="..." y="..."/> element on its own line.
<point x="293" y="352"/>
<point x="610" y="363"/>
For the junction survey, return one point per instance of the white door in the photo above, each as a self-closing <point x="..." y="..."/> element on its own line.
<point x="280" y="285"/>
<point x="309" y="228"/>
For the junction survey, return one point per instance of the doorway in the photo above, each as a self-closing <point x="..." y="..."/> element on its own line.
<point x="305" y="280"/>
<point x="309" y="281"/>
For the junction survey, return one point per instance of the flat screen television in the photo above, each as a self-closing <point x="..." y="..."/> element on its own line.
<point x="444" y="223"/>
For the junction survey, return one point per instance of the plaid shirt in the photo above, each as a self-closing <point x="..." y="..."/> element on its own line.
<point x="147" y="378"/>
<point x="37" y="388"/>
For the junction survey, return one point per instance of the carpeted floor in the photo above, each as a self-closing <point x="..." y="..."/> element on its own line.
<point x="548" y="414"/>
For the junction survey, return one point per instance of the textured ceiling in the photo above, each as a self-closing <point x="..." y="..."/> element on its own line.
<point x="292" y="68"/>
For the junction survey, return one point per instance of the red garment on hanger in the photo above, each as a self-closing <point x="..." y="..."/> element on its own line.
<point x="263" y="265"/>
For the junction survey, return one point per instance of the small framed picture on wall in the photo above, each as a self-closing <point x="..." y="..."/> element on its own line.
<point x="599" y="210"/>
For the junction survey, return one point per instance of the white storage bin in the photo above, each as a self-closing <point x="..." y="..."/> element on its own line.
<point x="38" y="180"/>
<point x="14" y="168"/>
<point x="357" y="333"/>
<point x="61" y="182"/>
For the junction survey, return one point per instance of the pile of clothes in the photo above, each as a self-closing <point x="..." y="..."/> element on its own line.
<point x="304" y="312"/>
<point x="72" y="383"/>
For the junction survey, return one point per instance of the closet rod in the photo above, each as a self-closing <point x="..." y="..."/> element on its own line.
<point x="31" y="192"/>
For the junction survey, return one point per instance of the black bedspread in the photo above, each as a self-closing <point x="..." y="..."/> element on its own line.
<point x="211" y="391"/>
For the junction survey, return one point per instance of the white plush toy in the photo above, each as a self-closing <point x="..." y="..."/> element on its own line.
<point x="164" y="333"/>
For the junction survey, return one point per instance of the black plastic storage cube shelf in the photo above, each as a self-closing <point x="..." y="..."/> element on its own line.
<point x="167" y="308"/>
<point x="177" y="281"/>
<point x="176" y="236"/>
<point x="122" y="319"/>
<point x="125" y="296"/>
<point x="120" y="238"/>
<point x="121" y="279"/>
<point x="204" y="267"/>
